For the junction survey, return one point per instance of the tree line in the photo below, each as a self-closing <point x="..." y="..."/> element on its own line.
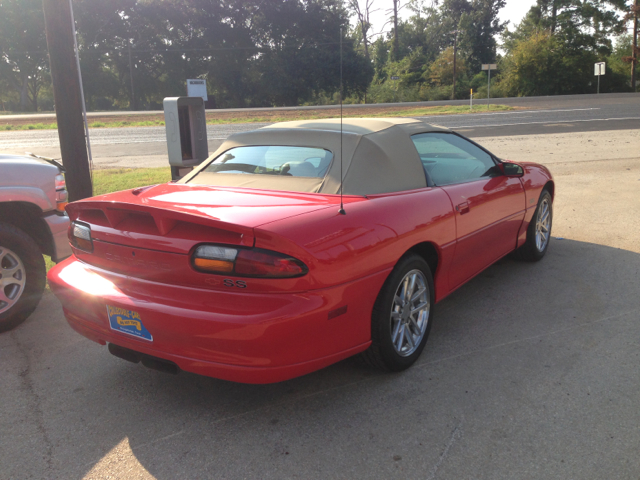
<point x="264" y="53"/>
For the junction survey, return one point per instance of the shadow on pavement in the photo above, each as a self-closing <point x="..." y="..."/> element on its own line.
<point x="530" y="372"/>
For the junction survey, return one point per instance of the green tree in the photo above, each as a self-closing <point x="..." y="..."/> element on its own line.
<point x="617" y="78"/>
<point x="581" y="24"/>
<point x="23" y="50"/>
<point x="441" y="71"/>
<point x="300" y="52"/>
<point x="479" y="28"/>
<point x="543" y="65"/>
<point x="553" y="50"/>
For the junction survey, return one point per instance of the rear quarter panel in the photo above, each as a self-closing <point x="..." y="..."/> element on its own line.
<point x="535" y="178"/>
<point x="370" y="238"/>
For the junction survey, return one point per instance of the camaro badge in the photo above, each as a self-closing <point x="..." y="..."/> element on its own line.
<point x="127" y="321"/>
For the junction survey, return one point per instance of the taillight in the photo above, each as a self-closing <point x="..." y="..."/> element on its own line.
<point x="241" y="262"/>
<point x="60" y="183"/>
<point x="212" y="258"/>
<point x="262" y="263"/>
<point x="80" y="237"/>
<point x="61" y="193"/>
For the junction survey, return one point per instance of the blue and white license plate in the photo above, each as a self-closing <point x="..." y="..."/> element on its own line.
<point x="127" y="321"/>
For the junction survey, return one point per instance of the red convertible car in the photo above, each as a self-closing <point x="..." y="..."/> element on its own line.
<point x="249" y="269"/>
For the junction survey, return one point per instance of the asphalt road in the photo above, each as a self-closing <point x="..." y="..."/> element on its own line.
<point x="145" y="146"/>
<point x="531" y="371"/>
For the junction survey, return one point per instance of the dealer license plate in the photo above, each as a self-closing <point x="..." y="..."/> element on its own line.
<point x="127" y="321"/>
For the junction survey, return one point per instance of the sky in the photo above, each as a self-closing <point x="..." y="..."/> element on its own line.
<point x="514" y="11"/>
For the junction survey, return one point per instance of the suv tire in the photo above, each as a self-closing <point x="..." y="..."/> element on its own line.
<point x="22" y="276"/>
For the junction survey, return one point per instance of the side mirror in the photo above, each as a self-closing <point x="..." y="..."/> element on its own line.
<point x="511" y="169"/>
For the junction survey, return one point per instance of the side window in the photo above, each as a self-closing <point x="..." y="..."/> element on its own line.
<point x="450" y="159"/>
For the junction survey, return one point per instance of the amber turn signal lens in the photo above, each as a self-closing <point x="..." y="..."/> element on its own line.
<point x="219" y="266"/>
<point x="60" y="206"/>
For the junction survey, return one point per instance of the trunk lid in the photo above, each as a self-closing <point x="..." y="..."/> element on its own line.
<point x="150" y="232"/>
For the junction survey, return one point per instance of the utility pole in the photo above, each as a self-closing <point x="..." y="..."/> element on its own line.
<point x="395" y="30"/>
<point x="455" y="56"/>
<point x="67" y="97"/>
<point x="634" y="11"/>
<point x="133" y="95"/>
<point x="634" y="48"/>
<point x="554" y="16"/>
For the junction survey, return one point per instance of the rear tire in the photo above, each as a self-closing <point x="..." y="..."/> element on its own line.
<point x="539" y="231"/>
<point x="22" y="276"/>
<point x="402" y="316"/>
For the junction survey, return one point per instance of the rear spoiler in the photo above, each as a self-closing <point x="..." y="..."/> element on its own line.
<point x="111" y="214"/>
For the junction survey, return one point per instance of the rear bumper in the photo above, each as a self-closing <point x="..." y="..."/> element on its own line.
<point x="242" y="337"/>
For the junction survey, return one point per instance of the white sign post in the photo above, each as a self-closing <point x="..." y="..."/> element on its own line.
<point x="197" y="88"/>
<point x="489" y="67"/>
<point x="600" y="69"/>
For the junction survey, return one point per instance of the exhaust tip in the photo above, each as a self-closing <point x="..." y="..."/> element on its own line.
<point x="149" y="361"/>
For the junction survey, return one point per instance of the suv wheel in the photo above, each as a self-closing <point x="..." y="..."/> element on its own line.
<point x="22" y="276"/>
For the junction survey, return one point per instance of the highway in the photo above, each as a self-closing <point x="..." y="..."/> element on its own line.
<point x="540" y="115"/>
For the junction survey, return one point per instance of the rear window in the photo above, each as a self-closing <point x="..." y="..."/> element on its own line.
<point x="288" y="161"/>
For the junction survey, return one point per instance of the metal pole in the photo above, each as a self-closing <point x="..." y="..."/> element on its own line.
<point x="67" y="97"/>
<point x="599" y="80"/>
<point x="489" y="89"/>
<point x="84" y="106"/>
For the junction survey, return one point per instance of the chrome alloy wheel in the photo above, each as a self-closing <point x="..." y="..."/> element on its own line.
<point x="543" y="225"/>
<point x="13" y="278"/>
<point x="410" y="313"/>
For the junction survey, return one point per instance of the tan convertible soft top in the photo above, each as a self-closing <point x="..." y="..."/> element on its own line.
<point x="378" y="156"/>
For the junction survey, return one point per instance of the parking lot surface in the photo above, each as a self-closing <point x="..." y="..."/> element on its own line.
<point x="531" y="371"/>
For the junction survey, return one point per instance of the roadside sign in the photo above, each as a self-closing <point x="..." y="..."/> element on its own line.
<point x="197" y="88"/>
<point x="489" y="67"/>
<point x="600" y="69"/>
<point x="395" y="78"/>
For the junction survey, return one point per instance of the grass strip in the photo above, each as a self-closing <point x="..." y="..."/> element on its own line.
<point x="107" y="124"/>
<point x="416" y="112"/>
<point x="117" y="179"/>
<point x="301" y="115"/>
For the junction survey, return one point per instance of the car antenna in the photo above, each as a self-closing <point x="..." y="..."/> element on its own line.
<point x="341" y="211"/>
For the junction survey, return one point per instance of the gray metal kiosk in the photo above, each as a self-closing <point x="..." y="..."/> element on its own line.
<point x="186" y="128"/>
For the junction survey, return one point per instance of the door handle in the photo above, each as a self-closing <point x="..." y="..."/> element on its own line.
<point x="463" y="208"/>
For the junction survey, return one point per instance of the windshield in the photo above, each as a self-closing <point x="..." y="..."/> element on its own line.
<point x="273" y="160"/>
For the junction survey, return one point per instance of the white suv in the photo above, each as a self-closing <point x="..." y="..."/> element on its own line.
<point x="32" y="223"/>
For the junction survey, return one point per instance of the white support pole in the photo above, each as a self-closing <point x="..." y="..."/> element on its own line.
<point x="489" y="89"/>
